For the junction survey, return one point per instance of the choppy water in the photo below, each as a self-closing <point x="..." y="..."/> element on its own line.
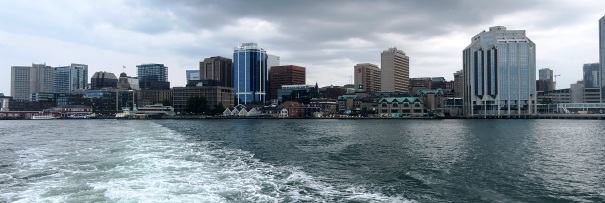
<point x="302" y="161"/>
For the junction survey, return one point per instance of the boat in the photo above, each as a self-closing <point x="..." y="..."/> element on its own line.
<point x="124" y="115"/>
<point x="42" y="117"/>
<point x="78" y="116"/>
<point x="155" y="110"/>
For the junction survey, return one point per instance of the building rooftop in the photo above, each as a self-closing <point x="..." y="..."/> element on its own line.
<point x="103" y="74"/>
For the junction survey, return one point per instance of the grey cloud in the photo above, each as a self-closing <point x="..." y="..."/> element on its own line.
<point x="310" y="23"/>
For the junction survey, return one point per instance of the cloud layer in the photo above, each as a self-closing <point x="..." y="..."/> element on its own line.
<point x="327" y="37"/>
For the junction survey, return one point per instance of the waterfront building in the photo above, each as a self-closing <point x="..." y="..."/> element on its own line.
<point x="242" y="110"/>
<point x="602" y="55"/>
<point x="555" y="96"/>
<point x="369" y="76"/>
<point x="299" y="93"/>
<point x="103" y="79"/>
<point x="395" y="70"/>
<point x="213" y="94"/>
<point x="295" y="109"/>
<point x="250" y="74"/>
<point x="104" y="101"/>
<point x="499" y="73"/>
<point x="71" y="78"/>
<point x="151" y="97"/>
<point x="285" y="75"/>
<point x="433" y="100"/>
<point x="357" y="103"/>
<point x="452" y="107"/>
<point x="219" y="69"/>
<point x="26" y="80"/>
<point x="592" y="90"/>
<point x="192" y="74"/>
<point x="396" y="107"/>
<point x="577" y="92"/>
<point x="153" y="76"/>
<point x="327" y="106"/>
<point x="458" y="84"/>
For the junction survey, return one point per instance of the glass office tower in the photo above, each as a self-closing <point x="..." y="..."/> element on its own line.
<point x="250" y="74"/>
<point x="153" y="76"/>
<point x="602" y="55"/>
<point x="70" y="78"/>
<point x="500" y="73"/>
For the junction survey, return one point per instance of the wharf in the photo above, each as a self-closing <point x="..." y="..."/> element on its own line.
<point x="539" y="116"/>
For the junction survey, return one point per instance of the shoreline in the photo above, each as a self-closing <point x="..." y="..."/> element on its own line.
<point x="478" y="117"/>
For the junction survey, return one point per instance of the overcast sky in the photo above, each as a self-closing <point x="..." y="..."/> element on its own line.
<point x="326" y="37"/>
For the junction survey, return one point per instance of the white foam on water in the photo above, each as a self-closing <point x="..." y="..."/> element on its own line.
<point x="156" y="164"/>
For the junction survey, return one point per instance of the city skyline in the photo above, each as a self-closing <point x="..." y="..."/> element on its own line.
<point x="329" y="43"/>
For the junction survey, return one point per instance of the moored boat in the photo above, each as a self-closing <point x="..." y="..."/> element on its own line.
<point x="42" y="117"/>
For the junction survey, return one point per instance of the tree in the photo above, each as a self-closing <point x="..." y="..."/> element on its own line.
<point x="197" y="105"/>
<point x="166" y="102"/>
<point x="218" y="109"/>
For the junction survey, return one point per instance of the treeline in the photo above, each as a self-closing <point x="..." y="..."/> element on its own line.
<point x="199" y="106"/>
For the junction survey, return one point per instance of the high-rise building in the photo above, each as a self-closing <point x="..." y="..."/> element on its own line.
<point x="395" y="71"/>
<point x="250" y="75"/>
<point x="458" y="84"/>
<point x="192" y="74"/>
<point x="26" y="80"/>
<point x="577" y="92"/>
<point x="285" y="75"/>
<point x="499" y="73"/>
<point x="545" y="74"/>
<point x="219" y="69"/>
<point x="591" y="75"/>
<point x="273" y="60"/>
<point x="368" y="75"/>
<point x="153" y="76"/>
<point x="70" y="78"/>
<point x="602" y="56"/>
<point x="545" y="80"/>
<point x="592" y="90"/>
<point x="103" y="80"/>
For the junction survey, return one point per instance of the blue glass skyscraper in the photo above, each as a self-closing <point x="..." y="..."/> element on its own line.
<point x="250" y="76"/>
<point x="500" y="73"/>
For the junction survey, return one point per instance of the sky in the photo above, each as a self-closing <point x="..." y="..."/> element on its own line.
<point x="326" y="37"/>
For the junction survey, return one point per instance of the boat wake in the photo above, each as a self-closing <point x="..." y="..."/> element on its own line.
<point x="157" y="164"/>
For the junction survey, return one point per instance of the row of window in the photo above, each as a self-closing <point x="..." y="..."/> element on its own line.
<point x="405" y="104"/>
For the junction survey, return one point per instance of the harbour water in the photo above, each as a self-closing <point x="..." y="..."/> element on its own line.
<point x="302" y="161"/>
